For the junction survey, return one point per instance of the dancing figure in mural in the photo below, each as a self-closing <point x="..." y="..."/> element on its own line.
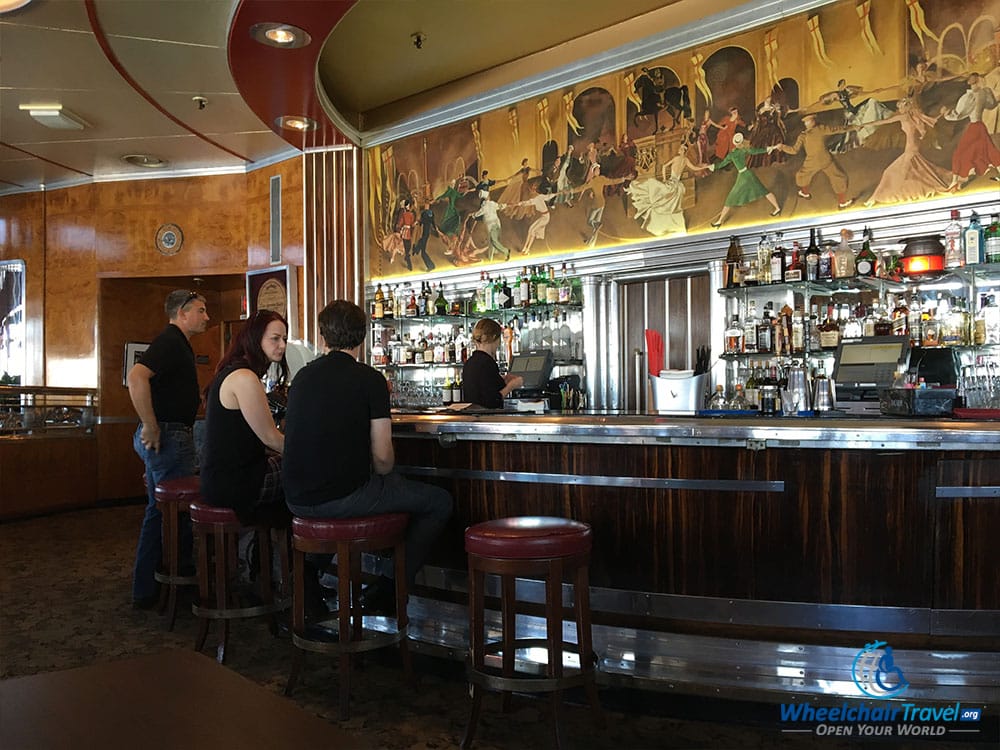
<point x="562" y="180"/>
<point x="747" y="187"/>
<point x="427" y="228"/>
<point x="730" y="125"/>
<point x="910" y="177"/>
<point x="702" y="138"/>
<point x="488" y="212"/>
<point x="540" y="202"/>
<point x="859" y="116"/>
<point x="405" y="223"/>
<point x="658" y="204"/>
<point x="768" y="129"/>
<point x="451" y="222"/>
<point x="597" y="187"/>
<point x="818" y="159"/>
<point x="517" y="190"/>
<point x="975" y="152"/>
<point x="484" y="185"/>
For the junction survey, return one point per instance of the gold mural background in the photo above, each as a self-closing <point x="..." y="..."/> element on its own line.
<point x="855" y="104"/>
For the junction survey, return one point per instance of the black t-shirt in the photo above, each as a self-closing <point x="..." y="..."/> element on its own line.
<point x="331" y="403"/>
<point x="233" y="459"/>
<point x="481" y="381"/>
<point x="174" y="384"/>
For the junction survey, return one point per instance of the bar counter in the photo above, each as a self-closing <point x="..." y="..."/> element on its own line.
<point x="719" y="542"/>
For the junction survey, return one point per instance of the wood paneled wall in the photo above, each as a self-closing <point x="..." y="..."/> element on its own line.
<point x="95" y="278"/>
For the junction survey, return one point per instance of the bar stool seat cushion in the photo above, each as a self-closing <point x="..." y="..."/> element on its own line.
<point x="528" y="537"/>
<point x="347" y="529"/>
<point x="181" y="490"/>
<point x="203" y="513"/>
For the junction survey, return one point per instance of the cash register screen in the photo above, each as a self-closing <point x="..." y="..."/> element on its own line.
<point x="870" y="360"/>
<point x="534" y="366"/>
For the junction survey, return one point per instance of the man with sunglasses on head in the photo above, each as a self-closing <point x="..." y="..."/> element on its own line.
<point x="163" y="386"/>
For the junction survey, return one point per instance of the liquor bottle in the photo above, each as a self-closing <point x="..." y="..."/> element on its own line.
<point x="777" y="269"/>
<point x="446" y="392"/>
<point x="883" y="323"/>
<point x="734" y="262"/>
<point x="411" y="304"/>
<point x="954" y="257"/>
<point x="844" y="266"/>
<point x="812" y="330"/>
<point x="739" y="401"/>
<point x="764" y="249"/>
<point x="525" y="287"/>
<point x="751" y="391"/>
<point x="378" y="308"/>
<point x="972" y="240"/>
<point x="991" y="240"/>
<point x="795" y="270"/>
<point x="440" y="303"/>
<point x="812" y="258"/>
<point x="749" y="272"/>
<point x="798" y="332"/>
<point x="504" y="295"/>
<point x="750" y="324"/>
<point x="900" y="318"/>
<point x="389" y="308"/>
<point x="543" y="286"/>
<point x="866" y="261"/>
<point x="565" y="287"/>
<point x="824" y="272"/>
<point x="429" y="299"/>
<point x="990" y="314"/>
<point x="533" y="286"/>
<point x="552" y="288"/>
<point x="829" y="331"/>
<point x="515" y="291"/>
<point x="456" y="391"/>
<point x="734" y="336"/>
<point x="765" y="331"/>
<point x="914" y="322"/>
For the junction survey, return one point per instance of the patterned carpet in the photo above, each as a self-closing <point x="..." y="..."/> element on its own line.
<point x="65" y="602"/>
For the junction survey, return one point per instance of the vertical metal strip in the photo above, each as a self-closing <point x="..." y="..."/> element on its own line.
<point x="689" y="333"/>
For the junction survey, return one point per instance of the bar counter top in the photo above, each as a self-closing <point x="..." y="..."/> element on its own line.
<point x="756" y="432"/>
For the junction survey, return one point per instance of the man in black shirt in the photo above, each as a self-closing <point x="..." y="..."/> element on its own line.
<point x="163" y="386"/>
<point x="338" y="460"/>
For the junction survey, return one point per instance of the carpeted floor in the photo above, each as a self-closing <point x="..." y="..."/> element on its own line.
<point x="65" y="602"/>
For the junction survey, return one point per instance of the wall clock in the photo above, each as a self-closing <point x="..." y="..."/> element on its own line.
<point x="169" y="239"/>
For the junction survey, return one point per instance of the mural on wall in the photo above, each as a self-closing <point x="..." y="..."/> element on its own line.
<point x="877" y="102"/>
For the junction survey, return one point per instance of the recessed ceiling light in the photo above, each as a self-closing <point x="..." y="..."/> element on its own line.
<point x="146" y="161"/>
<point x="8" y="5"/>
<point x="53" y="116"/>
<point x="296" y="122"/>
<point x="280" y="35"/>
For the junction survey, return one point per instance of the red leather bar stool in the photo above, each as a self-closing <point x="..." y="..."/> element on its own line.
<point x="217" y="532"/>
<point x="173" y="496"/>
<point x="529" y="547"/>
<point x="348" y="538"/>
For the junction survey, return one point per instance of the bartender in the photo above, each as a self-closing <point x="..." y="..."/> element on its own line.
<point x="482" y="383"/>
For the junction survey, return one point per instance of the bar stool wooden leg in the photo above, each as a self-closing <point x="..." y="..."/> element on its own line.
<point x="476" y="648"/>
<point x="585" y="641"/>
<point x="508" y="616"/>
<point x="298" y="616"/>
<point x="203" y="575"/>
<point x="348" y="592"/>
<point x="402" y="618"/>
<point x="553" y="632"/>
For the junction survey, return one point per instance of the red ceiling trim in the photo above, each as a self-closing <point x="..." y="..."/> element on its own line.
<point x="277" y="82"/>
<point x="47" y="161"/>
<point x="109" y="53"/>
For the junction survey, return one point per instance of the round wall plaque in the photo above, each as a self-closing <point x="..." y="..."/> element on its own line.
<point x="169" y="239"/>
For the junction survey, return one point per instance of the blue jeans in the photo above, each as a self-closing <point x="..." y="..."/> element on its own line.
<point x="176" y="458"/>
<point x="428" y="506"/>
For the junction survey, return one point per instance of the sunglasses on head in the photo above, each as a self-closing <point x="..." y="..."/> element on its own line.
<point x="191" y="296"/>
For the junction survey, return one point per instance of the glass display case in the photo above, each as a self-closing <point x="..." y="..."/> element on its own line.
<point x="38" y="410"/>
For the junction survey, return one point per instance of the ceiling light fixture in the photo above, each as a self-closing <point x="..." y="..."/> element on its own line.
<point x="6" y="6"/>
<point x="296" y="122"/>
<point x="146" y="161"/>
<point x="53" y="116"/>
<point x="281" y="35"/>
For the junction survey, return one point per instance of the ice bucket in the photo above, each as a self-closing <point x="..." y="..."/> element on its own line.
<point x="673" y="394"/>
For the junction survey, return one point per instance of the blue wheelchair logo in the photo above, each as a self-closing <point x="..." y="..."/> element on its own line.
<point x="875" y="673"/>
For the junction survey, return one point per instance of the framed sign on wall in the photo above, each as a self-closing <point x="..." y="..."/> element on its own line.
<point x="133" y="351"/>
<point x="274" y="289"/>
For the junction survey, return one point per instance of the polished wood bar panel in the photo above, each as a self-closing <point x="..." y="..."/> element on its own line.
<point x="45" y="474"/>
